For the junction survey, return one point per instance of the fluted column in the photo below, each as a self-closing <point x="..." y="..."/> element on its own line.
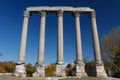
<point x="80" y="69"/>
<point x="20" y="67"/>
<point x="60" y="62"/>
<point x="40" y="70"/>
<point x="100" y="71"/>
<point x="60" y="38"/>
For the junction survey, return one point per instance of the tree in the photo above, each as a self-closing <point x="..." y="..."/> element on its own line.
<point x="30" y="69"/>
<point x="110" y="45"/>
<point x="7" y="66"/>
<point x="50" y="70"/>
<point x="2" y="70"/>
<point x="89" y="68"/>
<point x="70" y="69"/>
<point x="116" y="61"/>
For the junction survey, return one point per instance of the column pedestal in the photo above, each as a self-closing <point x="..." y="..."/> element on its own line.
<point x="60" y="70"/>
<point x="20" y="70"/>
<point x="99" y="70"/>
<point x="80" y="69"/>
<point x="40" y="71"/>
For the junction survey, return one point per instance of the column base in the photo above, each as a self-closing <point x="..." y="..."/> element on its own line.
<point x="40" y="71"/>
<point x="60" y="70"/>
<point x="80" y="71"/>
<point x="20" y="70"/>
<point x="99" y="70"/>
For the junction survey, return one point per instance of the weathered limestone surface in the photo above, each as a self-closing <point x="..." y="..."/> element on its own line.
<point x="60" y="70"/>
<point x="80" y="71"/>
<point x="99" y="68"/>
<point x="57" y="8"/>
<point x="20" y="70"/>
<point x="100" y="71"/>
<point x="40" y="71"/>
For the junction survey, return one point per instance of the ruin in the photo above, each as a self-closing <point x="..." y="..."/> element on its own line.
<point x="60" y="11"/>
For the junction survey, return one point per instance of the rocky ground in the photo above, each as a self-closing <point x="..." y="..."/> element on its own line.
<point x="55" y="78"/>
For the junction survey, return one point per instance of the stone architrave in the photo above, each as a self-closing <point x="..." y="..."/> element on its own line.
<point x="40" y="70"/>
<point x="80" y="69"/>
<point x="20" y="66"/>
<point x="60" y="63"/>
<point x="100" y="71"/>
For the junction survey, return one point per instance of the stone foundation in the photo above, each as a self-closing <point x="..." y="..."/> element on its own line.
<point x="100" y="71"/>
<point x="80" y="71"/>
<point x="20" y="70"/>
<point x="40" y="71"/>
<point x="60" y="70"/>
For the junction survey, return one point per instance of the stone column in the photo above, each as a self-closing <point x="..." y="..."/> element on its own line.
<point x="40" y="71"/>
<point x="80" y="69"/>
<point x="60" y="63"/>
<point x="100" y="71"/>
<point x="20" y="66"/>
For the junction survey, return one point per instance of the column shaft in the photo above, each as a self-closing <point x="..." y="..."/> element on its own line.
<point x="60" y="38"/>
<point x="95" y="38"/>
<point x="78" y="38"/>
<point x="42" y="39"/>
<point x="23" y="38"/>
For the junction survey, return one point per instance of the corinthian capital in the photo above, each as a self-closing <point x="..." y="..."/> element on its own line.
<point x="26" y="14"/>
<point x="43" y="13"/>
<point x="60" y="13"/>
<point x="92" y="14"/>
<point x="76" y="14"/>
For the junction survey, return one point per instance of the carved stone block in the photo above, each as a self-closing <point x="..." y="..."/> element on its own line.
<point x="60" y="70"/>
<point x="80" y="71"/>
<point x="100" y="71"/>
<point x="40" y="71"/>
<point x="20" y="70"/>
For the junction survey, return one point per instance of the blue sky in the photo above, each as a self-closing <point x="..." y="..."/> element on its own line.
<point x="11" y="16"/>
